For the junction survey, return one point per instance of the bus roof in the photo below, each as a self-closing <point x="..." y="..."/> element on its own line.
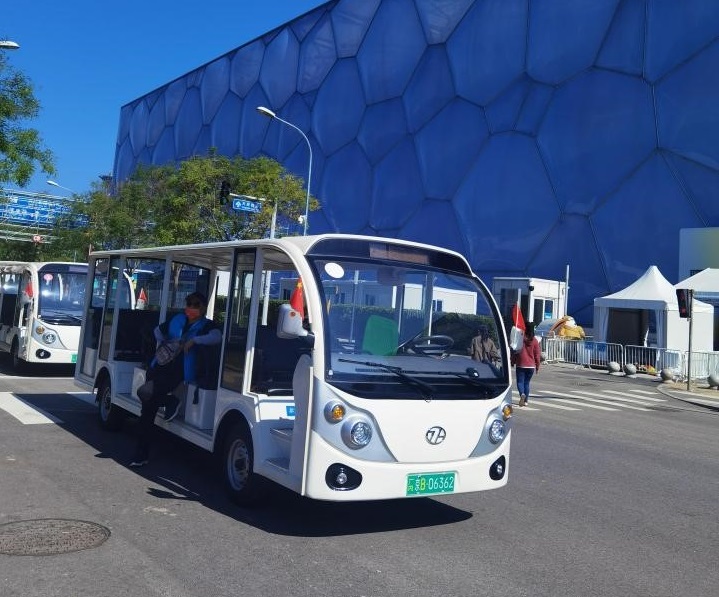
<point x="16" y="266"/>
<point x="216" y="255"/>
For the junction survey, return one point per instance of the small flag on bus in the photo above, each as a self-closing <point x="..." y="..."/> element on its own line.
<point x="297" y="301"/>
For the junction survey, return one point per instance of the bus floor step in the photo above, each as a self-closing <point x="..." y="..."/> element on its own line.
<point x="281" y="463"/>
<point x="282" y="433"/>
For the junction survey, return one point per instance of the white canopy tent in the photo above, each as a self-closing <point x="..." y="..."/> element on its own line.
<point x="706" y="281"/>
<point x="624" y="316"/>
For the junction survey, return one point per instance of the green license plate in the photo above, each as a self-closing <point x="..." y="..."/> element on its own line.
<point x="426" y="483"/>
<point x="73" y="359"/>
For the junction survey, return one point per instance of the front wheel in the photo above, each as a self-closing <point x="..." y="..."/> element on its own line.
<point x="110" y="415"/>
<point x="244" y="487"/>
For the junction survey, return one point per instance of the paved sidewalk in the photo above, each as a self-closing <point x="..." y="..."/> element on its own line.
<point x="699" y="393"/>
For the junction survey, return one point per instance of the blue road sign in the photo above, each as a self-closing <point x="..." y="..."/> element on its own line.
<point x="31" y="211"/>
<point x="246" y="205"/>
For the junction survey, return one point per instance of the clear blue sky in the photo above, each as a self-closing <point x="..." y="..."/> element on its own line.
<point x="87" y="58"/>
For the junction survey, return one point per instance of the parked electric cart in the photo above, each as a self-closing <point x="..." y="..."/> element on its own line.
<point x="344" y="372"/>
<point x="41" y="305"/>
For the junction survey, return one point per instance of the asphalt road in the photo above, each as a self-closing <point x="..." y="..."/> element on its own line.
<point x="601" y="501"/>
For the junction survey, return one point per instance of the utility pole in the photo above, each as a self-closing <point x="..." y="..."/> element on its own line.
<point x="690" y="296"/>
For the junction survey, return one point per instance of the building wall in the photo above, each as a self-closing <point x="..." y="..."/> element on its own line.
<point x="527" y="135"/>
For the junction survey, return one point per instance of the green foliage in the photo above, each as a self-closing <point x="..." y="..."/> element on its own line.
<point x="21" y="148"/>
<point x="173" y="205"/>
<point x="19" y="251"/>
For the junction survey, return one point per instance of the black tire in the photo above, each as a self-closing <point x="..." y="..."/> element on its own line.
<point x="243" y="486"/>
<point x="18" y="365"/>
<point x="110" y="415"/>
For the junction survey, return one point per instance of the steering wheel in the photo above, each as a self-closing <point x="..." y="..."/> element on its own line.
<point x="435" y="344"/>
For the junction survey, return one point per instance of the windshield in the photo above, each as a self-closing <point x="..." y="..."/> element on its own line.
<point x="409" y="331"/>
<point x="61" y="294"/>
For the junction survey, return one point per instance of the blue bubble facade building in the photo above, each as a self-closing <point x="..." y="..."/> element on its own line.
<point x="527" y="135"/>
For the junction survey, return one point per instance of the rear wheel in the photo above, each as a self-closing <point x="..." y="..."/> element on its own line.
<point x="110" y="415"/>
<point x="243" y="485"/>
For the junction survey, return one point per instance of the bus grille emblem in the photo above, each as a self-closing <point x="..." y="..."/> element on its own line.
<point x="435" y="435"/>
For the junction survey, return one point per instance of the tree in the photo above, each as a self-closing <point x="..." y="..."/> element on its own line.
<point x="21" y="148"/>
<point x="169" y="205"/>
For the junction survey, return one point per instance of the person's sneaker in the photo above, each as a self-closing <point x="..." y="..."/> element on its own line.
<point x="173" y="409"/>
<point x="139" y="460"/>
<point x="522" y="400"/>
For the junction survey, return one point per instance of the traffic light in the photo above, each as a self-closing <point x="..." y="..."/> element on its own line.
<point x="683" y="300"/>
<point x="224" y="192"/>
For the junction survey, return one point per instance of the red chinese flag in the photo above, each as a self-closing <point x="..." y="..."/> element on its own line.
<point x="518" y="318"/>
<point x="297" y="301"/>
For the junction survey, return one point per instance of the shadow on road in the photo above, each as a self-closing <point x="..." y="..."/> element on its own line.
<point x="34" y="370"/>
<point x="179" y="470"/>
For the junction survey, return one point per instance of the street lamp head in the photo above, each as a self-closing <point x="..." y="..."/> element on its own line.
<point x="52" y="183"/>
<point x="266" y="112"/>
<point x="270" y="114"/>
<point x="6" y="44"/>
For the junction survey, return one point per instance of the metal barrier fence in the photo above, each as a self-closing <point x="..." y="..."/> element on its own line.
<point x="646" y="359"/>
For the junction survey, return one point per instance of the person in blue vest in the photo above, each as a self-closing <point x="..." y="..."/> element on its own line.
<point x="175" y="365"/>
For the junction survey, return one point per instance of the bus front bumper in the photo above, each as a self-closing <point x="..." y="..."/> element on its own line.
<point x="337" y="476"/>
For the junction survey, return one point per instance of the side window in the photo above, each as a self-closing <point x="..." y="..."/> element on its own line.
<point x="141" y="296"/>
<point x="145" y="279"/>
<point x="185" y="280"/>
<point x="274" y="358"/>
<point x="111" y="290"/>
<point x="9" y="290"/>
<point x="240" y="296"/>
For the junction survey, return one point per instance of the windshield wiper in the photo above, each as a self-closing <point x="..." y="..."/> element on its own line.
<point x="424" y="388"/>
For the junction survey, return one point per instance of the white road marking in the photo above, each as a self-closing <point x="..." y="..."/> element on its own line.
<point x="543" y="402"/>
<point x="647" y="392"/>
<point x="645" y="398"/>
<point x="612" y="400"/>
<point x="24" y="412"/>
<point x="584" y="403"/>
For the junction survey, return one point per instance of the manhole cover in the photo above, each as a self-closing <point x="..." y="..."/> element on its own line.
<point x="50" y="536"/>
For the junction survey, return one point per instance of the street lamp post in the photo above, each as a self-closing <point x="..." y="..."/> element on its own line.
<point x="270" y="114"/>
<point x="6" y="44"/>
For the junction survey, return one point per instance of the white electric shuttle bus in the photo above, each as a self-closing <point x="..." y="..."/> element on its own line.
<point x="41" y="306"/>
<point x="370" y="394"/>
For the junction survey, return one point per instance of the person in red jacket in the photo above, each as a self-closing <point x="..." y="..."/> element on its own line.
<point x="527" y="362"/>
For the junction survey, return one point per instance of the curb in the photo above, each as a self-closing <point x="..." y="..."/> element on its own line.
<point x="695" y="399"/>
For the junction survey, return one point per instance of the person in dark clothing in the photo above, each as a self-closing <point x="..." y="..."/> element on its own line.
<point x="179" y="339"/>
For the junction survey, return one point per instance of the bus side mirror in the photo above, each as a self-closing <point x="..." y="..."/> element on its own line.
<point x="289" y="323"/>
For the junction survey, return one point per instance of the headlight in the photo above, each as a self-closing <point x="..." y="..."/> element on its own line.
<point x="357" y="433"/>
<point x="497" y="431"/>
<point x="49" y="337"/>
